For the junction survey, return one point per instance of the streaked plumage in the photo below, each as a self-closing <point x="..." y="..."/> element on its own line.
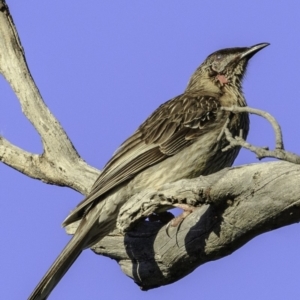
<point x="179" y="140"/>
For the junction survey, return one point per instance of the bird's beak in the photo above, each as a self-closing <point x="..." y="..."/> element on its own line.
<point x="252" y="50"/>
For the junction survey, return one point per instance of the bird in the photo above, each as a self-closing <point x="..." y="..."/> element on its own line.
<point x="181" y="139"/>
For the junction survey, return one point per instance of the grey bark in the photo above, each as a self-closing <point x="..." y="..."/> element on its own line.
<point x="59" y="164"/>
<point x="235" y="204"/>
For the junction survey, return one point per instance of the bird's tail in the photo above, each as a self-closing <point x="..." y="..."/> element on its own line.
<point x="86" y="234"/>
<point x="58" y="269"/>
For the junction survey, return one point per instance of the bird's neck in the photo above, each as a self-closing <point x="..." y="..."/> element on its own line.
<point x="232" y="93"/>
<point x="235" y="94"/>
<point x="205" y="84"/>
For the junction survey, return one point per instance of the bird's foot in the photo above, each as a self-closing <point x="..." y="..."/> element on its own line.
<point x="176" y="222"/>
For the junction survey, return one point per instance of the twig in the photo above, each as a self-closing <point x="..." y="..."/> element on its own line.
<point x="264" y="114"/>
<point x="261" y="152"/>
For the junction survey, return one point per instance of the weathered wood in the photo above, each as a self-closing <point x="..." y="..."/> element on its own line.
<point x="239" y="204"/>
<point x="60" y="164"/>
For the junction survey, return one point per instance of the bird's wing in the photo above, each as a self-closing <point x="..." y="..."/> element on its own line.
<point x="175" y="125"/>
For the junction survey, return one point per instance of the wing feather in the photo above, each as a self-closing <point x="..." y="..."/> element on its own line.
<point x="175" y="125"/>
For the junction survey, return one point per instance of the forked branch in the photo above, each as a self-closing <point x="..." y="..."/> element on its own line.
<point x="60" y="164"/>
<point x="261" y="152"/>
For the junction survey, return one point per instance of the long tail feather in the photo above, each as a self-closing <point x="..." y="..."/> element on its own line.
<point x="58" y="269"/>
<point x="87" y="233"/>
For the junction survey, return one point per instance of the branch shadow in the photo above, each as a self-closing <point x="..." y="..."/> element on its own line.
<point x="154" y="266"/>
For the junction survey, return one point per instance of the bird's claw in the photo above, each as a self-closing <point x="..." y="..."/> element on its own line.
<point x="177" y="221"/>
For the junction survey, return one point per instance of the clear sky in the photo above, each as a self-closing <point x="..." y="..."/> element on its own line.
<point x="102" y="68"/>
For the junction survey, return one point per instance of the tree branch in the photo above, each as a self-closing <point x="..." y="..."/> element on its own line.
<point x="264" y="114"/>
<point x="261" y="152"/>
<point x="60" y="163"/>
<point x="237" y="205"/>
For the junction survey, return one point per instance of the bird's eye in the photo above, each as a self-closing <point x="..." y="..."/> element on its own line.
<point x="212" y="72"/>
<point x="219" y="56"/>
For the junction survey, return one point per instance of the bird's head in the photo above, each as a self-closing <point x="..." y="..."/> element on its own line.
<point x="223" y="67"/>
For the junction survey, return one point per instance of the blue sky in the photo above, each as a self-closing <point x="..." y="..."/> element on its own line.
<point x="102" y="68"/>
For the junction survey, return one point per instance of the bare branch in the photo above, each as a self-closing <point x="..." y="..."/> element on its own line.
<point x="260" y="152"/>
<point x="17" y="158"/>
<point x="237" y="205"/>
<point x="60" y="159"/>
<point x="264" y="114"/>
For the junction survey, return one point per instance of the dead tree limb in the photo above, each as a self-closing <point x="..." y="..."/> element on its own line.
<point x="236" y="204"/>
<point x="59" y="164"/>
